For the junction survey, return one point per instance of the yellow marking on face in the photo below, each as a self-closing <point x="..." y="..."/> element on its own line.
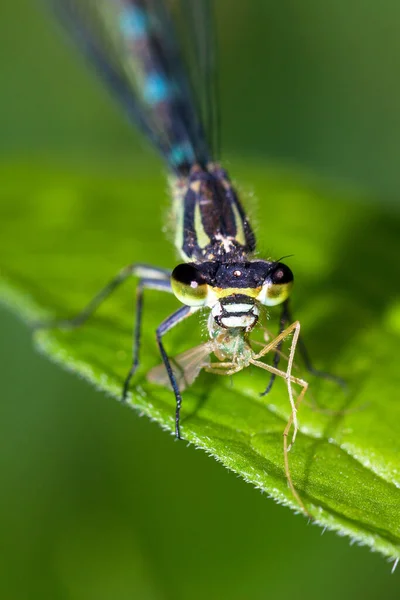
<point x="215" y="294"/>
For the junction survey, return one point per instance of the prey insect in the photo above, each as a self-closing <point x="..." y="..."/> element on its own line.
<point x="136" y="48"/>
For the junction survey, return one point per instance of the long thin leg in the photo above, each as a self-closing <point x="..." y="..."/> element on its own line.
<point x="138" y="270"/>
<point x="274" y="343"/>
<point x="295" y="327"/>
<point x="229" y="368"/>
<point x="266" y="340"/>
<point x="169" y="323"/>
<point x="283" y="320"/>
<point x="279" y="373"/>
<point x="145" y="283"/>
<point x="286" y="449"/>
<point x="307" y="360"/>
<point x="150" y="278"/>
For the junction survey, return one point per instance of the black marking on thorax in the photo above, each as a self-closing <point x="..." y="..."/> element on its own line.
<point x="214" y="223"/>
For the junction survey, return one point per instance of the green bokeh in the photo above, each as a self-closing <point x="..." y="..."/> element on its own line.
<point x="96" y="502"/>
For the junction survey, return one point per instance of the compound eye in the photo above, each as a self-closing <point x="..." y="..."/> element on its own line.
<point x="189" y="285"/>
<point x="277" y="285"/>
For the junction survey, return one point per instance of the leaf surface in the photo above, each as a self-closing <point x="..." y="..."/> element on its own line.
<point x="63" y="236"/>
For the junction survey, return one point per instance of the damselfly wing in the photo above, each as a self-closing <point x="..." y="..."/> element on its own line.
<point x="186" y="366"/>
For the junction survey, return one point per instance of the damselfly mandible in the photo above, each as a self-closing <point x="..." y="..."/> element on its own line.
<point x="137" y="48"/>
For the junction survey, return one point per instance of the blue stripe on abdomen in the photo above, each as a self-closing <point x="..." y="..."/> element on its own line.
<point x="156" y="88"/>
<point x="134" y="22"/>
<point x="182" y="153"/>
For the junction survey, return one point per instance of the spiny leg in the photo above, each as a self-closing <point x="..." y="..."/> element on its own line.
<point x="145" y="283"/>
<point x="232" y="368"/>
<point x="262" y="345"/>
<point x="283" y="319"/>
<point x="138" y="270"/>
<point x="278" y="372"/>
<point x="274" y="344"/>
<point x="167" y="325"/>
<point x="150" y="278"/>
<point x="307" y="360"/>
<point x="286" y="449"/>
<point x="296" y="327"/>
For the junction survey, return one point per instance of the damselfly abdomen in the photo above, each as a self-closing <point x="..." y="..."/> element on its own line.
<point x="136" y="47"/>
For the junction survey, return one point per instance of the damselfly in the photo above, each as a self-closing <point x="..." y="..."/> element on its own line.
<point x="138" y="48"/>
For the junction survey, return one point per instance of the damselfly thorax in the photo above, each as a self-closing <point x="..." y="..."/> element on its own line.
<point x="210" y="221"/>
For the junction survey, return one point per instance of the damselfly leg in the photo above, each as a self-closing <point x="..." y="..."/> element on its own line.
<point x="153" y="278"/>
<point x="150" y="283"/>
<point x="234" y="355"/>
<point x="142" y="271"/>
<point x="292" y="419"/>
<point x="177" y="317"/>
<point x="277" y="343"/>
<point x="286" y="318"/>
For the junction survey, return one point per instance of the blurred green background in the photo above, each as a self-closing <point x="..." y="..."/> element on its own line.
<point x="96" y="502"/>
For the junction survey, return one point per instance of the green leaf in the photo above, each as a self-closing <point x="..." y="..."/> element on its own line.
<point x="64" y="236"/>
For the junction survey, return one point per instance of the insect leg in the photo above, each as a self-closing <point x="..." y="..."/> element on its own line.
<point x="162" y="285"/>
<point x="135" y="270"/>
<point x="296" y="327"/>
<point x="169" y="323"/>
<point x="274" y="344"/>
<point x="275" y="363"/>
<point x="308" y="362"/>
<point x="286" y="448"/>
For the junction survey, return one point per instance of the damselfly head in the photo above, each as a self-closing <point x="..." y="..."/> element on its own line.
<point x="233" y="291"/>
